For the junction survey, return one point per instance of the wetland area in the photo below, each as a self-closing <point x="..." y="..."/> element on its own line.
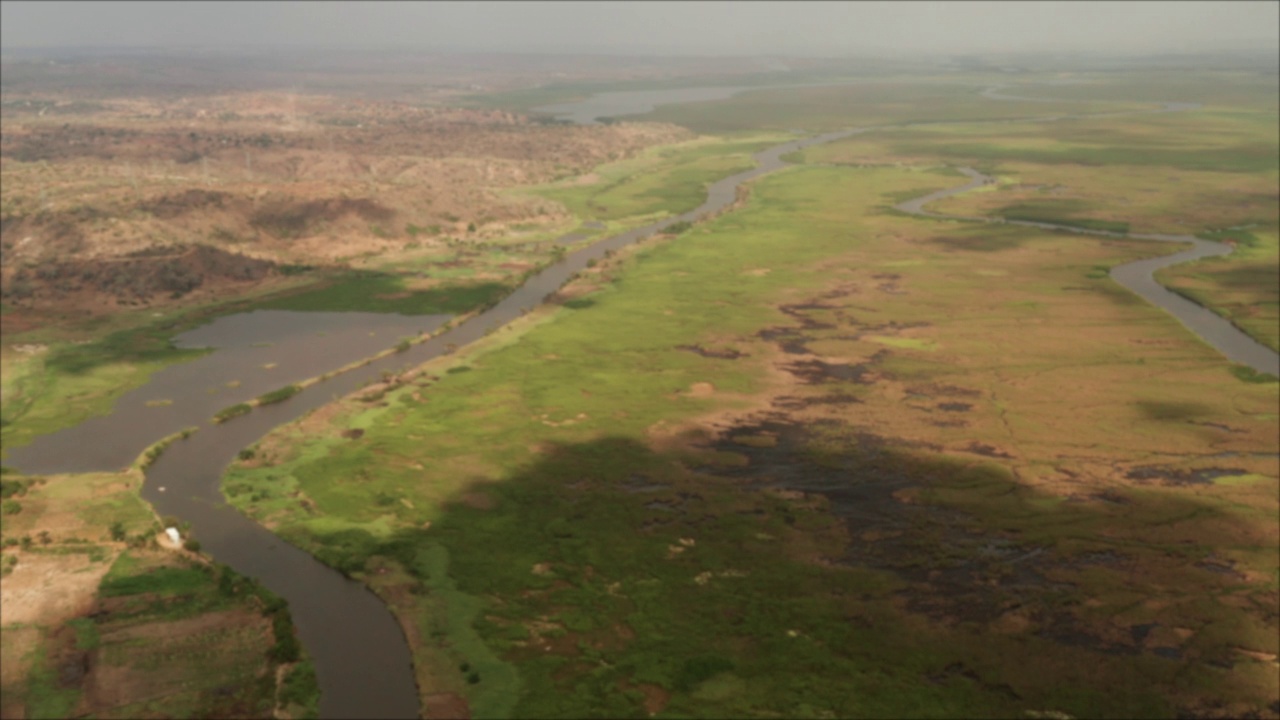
<point x="780" y="384"/>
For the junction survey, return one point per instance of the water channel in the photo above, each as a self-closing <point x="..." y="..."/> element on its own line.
<point x="361" y="655"/>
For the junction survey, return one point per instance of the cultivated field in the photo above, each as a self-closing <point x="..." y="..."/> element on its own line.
<point x="104" y="617"/>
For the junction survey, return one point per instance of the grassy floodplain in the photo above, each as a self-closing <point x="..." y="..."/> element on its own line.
<point x="60" y="374"/>
<point x="1212" y="172"/>
<point x="813" y="458"/>
<point x="662" y="181"/>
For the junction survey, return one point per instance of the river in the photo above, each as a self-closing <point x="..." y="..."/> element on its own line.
<point x="361" y="655"/>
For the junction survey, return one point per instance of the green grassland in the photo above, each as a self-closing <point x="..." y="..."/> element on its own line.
<point x="663" y="181"/>
<point x="563" y="521"/>
<point x="1244" y="287"/>
<point x="1212" y="172"/>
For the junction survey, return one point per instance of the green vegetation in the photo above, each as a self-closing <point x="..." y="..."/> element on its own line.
<point x="232" y="412"/>
<point x="664" y="181"/>
<point x="300" y="694"/>
<point x="279" y="395"/>
<point x="1249" y="375"/>
<point x="605" y="574"/>
<point x="1059" y="212"/>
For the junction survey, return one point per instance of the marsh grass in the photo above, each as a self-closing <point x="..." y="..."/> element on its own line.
<point x="518" y="473"/>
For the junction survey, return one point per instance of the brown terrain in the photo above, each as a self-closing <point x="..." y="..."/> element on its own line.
<point x="139" y="200"/>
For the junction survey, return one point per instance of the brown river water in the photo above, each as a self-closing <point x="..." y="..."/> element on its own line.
<point x="361" y="655"/>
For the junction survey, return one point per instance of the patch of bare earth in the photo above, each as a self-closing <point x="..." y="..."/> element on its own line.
<point x="446" y="706"/>
<point x="46" y="589"/>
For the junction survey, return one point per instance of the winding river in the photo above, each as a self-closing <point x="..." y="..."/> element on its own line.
<point x="361" y="655"/>
<point x="1139" y="276"/>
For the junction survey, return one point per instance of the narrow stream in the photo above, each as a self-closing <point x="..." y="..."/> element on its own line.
<point x="1139" y="277"/>
<point x="361" y="655"/>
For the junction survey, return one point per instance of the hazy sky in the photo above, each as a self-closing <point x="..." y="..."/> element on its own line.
<point x="694" y="28"/>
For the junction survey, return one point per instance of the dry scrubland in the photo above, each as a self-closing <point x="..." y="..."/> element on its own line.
<point x="813" y="457"/>
<point x="816" y="457"/>
<point x="294" y="180"/>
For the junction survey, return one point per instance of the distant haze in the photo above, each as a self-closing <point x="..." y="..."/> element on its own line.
<point x="671" y="28"/>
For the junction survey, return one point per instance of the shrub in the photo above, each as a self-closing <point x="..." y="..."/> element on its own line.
<point x="191" y="545"/>
<point x="286" y="648"/>
<point x="280" y="395"/>
<point x="700" y="669"/>
<point x="11" y="488"/>
<point x="234" y="411"/>
<point x="117" y="531"/>
<point x="1249" y="375"/>
<point x="11" y="507"/>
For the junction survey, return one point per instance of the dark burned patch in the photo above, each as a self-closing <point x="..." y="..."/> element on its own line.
<point x="721" y="354"/>
<point x="175" y="205"/>
<point x="288" y="218"/>
<point x="815" y="372"/>
<point x="987" y="241"/>
<point x="175" y="271"/>
<point x="637" y="483"/>
<point x="791" y="402"/>
<point x="1219" y="426"/>
<point x="948" y="391"/>
<point x="978" y="448"/>
<point x="353" y="433"/>
<point x="1174" y="476"/>
<point x="958" y="670"/>
<point x="956" y="571"/>
<point x="1065" y="629"/>
<point x="955" y="407"/>
<point x="894" y="325"/>
<point x="1219" y="566"/>
<point x="798" y="312"/>
<point x="1096" y="558"/>
<point x="1109" y="497"/>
